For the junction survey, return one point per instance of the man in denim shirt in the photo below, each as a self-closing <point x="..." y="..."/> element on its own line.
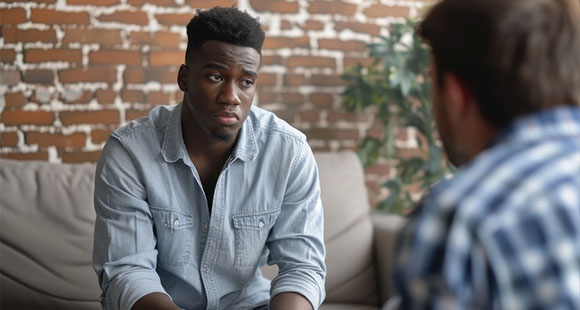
<point x="192" y="200"/>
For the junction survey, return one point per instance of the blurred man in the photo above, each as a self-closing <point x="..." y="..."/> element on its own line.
<point x="504" y="232"/>
<point x="192" y="200"/>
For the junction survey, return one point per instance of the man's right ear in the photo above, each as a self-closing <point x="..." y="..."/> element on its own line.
<point x="182" y="77"/>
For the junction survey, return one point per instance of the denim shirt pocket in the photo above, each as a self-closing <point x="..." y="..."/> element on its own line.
<point x="251" y="231"/>
<point x="174" y="233"/>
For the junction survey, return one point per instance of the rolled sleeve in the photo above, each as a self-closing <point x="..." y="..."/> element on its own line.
<point x="124" y="255"/>
<point x="296" y="241"/>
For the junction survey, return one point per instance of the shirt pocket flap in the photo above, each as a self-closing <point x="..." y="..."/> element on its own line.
<point x="256" y="221"/>
<point x="172" y="219"/>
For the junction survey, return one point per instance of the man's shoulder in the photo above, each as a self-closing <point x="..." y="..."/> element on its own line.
<point x="155" y="120"/>
<point x="267" y="123"/>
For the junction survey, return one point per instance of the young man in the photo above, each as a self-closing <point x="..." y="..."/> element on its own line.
<point x="504" y="232"/>
<point x="192" y="200"/>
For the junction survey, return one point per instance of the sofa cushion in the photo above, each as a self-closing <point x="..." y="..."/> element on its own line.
<point x="348" y="230"/>
<point x="47" y="236"/>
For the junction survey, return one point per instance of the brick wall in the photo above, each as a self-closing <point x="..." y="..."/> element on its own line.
<point x="71" y="71"/>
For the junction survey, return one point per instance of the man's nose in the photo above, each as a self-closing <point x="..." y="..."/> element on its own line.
<point x="229" y="93"/>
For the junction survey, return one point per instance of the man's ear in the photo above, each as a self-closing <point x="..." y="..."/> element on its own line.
<point x="460" y="97"/>
<point x="182" y="77"/>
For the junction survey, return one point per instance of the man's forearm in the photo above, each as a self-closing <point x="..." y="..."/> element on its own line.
<point x="157" y="301"/>
<point x="290" y="301"/>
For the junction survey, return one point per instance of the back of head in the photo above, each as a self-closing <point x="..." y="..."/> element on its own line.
<point x="516" y="56"/>
<point x="228" y="25"/>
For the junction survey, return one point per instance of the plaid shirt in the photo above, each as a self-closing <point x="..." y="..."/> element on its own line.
<point x="504" y="233"/>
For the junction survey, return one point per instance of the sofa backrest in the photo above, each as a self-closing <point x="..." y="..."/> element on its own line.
<point x="46" y="229"/>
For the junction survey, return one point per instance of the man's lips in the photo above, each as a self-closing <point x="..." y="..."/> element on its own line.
<point x="226" y="118"/>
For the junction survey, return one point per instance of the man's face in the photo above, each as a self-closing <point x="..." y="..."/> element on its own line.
<point x="442" y="119"/>
<point x="219" y="85"/>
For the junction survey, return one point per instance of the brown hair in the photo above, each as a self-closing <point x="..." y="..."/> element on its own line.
<point x="516" y="56"/>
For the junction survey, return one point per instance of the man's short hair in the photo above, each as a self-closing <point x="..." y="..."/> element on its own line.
<point x="516" y="56"/>
<point x="228" y="25"/>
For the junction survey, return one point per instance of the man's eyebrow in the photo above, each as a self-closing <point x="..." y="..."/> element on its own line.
<point x="215" y="66"/>
<point x="248" y="72"/>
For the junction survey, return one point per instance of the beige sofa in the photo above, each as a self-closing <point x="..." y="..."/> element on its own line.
<point x="46" y="229"/>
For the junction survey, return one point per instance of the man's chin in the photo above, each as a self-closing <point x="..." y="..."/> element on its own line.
<point x="221" y="137"/>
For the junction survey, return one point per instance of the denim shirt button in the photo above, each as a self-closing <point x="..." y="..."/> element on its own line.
<point x="176" y="223"/>
<point x="261" y="224"/>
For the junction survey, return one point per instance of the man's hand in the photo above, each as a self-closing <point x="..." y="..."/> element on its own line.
<point x="290" y="301"/>
<point x="157" y="301"/>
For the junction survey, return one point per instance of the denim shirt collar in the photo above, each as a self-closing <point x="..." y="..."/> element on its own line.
<point x="173" y="146"/>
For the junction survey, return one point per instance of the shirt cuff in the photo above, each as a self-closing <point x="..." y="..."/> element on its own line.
<point x="126" y="291"/>
<point x="290" y="283"/>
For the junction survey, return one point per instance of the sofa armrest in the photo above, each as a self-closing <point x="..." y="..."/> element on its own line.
<point x="386" y="229"/>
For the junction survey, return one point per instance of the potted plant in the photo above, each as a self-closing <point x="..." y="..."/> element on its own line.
<point x="397" y="85"/>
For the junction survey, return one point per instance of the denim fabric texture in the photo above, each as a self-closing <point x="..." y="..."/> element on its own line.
<point x="504" y="233"/>
<point x="154" y="231"/>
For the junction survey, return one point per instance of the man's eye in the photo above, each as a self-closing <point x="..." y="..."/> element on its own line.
<point x="247" y="83"/>
<point x="215" y="78"/>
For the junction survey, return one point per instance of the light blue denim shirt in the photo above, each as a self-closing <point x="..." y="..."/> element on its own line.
<point x="154" y="232"/>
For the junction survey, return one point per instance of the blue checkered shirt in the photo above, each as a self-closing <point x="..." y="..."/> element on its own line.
<point x="504" y="232"/>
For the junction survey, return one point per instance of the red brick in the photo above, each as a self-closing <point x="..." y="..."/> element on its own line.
<point x="134" y="114"/>
<point x="84" y="97"/>
<point x="38" y="76"/>
<point x="274" y="6"/>
<point x="106" y="96"/>
<point x="7" y="55"/>
<point x="350" y="62"/>
<point x="268" y="97"/>
<point x="321" y="100"/>
<point x="291" y="79"/>
<point x="313" y="25"/>
<point x="379" y="169"/>
<point x="271" y="60"/>
<point x="90" y="74"/>
<point x="56" y="139"/>
<point x="351" y="45"/>
<point x="379" y="10"/>
<point x="332" y="133"/>
<point x="166" y="58"/>
<point x="336" y="116"/>
<point x="9" y="139"/>
<point x="409" y="152"/>
<point x="204" y="4"/>
<point x="159" y="38"/>
<point x="104" y="37"/>
<point x="311" y="61"/>
<point x="9" y="78"/>
<point x="48" y="16"/>
<point x="115" y="57"/>
<point x="331" y="7"/>
<point x="126" y="17"/>
<point x="12" y="16"/>
<point x="285" y="42"/>
<point x="154" y="2"/>
<point x="79" y="156"/>
<point x="65" y="55"/>
<point x="93" y="2"/>
<point x="173" y="19"/>
<point x="12" y="35"/>
<point x="19" y="117"/>
<point x="132" y="96"/>
<point x="292" y="98"/>
<point x="159" y="98"/>
<point x="267" y="79"/>
<point x="286" y="25"/>
<point x="99" y="135"/>
<point x="310" y="116"/>
<point x="326" y="80"/>
<point x="371" y="29"/>
<point x="14" y="100"/>
<point x="140" y="75"/>
<point x="37" y="1"/>
<point x="26" y="156"/>
<point x="90" y="117"/>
